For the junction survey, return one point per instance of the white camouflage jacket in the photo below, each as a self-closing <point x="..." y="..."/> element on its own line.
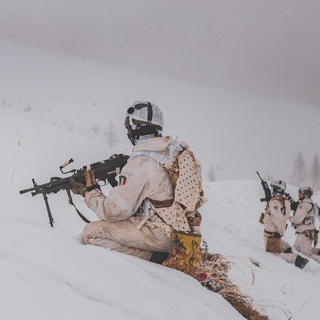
<point x="276" y="215"/>
<point x="141" y="178"/>
<point x="303" y="218"/>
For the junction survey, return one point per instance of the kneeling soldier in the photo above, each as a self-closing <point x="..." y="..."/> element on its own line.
<point x="275" y="218"/>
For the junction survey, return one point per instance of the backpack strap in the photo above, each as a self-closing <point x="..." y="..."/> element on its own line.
<point x="272" y="234"/>
<point x="312" y="206"/>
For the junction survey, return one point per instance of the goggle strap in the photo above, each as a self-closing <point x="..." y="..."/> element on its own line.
<point x="150" y="112"/>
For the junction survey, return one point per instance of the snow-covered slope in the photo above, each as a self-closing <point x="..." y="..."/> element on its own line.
<point x="47" y="273"/>
<point x="233" y="132"/>
<point x="232" y="228"/>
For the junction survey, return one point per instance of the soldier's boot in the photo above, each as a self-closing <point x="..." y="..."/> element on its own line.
<point x="159" y="257"/>
<point x="289" y="250"/>
<point x="301" y="262"/>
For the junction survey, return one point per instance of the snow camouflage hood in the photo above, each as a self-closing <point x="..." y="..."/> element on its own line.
<point x="159" y="144"/>
<point x="161" y="149"/>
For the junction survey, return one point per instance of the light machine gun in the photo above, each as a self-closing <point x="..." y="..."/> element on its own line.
<point x="103" y="170"/>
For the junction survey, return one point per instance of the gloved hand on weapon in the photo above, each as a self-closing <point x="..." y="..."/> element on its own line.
<point x="80" y="188"/>
<point x="293" y="204"/>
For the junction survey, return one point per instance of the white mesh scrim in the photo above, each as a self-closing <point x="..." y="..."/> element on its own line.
<point x="140" y="115"/>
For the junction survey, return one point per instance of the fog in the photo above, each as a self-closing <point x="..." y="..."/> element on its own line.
<point x="269" y="47"/>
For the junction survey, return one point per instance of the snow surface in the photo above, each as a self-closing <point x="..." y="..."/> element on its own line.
<point x="46" y="273"/>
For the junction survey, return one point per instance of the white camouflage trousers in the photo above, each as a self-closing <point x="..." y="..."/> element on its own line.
<point x="303" y="244"/>
<point x="123" y="236"/>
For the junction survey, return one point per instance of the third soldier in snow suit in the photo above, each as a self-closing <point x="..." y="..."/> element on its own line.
<point x="275" y="218"/>
<point x="303" y="221"/>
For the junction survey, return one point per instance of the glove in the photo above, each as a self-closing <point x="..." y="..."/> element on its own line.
<point x="78" y="188"/>
<point x="294" y="205"/>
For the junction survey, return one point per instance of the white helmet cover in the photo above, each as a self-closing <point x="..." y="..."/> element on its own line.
<point x="143" y="112"/>
<point x="278" y="185"/>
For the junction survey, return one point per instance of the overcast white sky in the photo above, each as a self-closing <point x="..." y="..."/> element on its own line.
<point x="271" y="47"/>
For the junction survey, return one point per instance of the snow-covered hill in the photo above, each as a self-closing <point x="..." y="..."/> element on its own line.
<point x="46" y="273"/>
<point x="231" y="131"/>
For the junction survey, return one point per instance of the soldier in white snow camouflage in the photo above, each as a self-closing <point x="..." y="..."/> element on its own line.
<point x="303" y="220"/>
<point x="275" y="218"/>
<point x="134" y="215"/>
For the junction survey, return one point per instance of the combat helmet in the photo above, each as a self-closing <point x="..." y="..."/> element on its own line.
<point x="279" y="186"/>
<point x="307" y="192"/>
<point x="143" y="118"/>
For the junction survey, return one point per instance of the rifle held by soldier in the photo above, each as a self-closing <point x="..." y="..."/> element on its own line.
<point x="266" y="190"/>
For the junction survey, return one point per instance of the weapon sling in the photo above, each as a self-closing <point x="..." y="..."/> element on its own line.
<point x="78" y="212"/>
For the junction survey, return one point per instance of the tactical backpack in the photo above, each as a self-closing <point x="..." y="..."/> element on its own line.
<point x="185" y="173"/>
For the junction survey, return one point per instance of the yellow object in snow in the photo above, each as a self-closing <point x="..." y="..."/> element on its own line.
<point x="186" y="255"/>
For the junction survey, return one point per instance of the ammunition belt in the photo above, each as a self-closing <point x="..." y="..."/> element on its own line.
<point x="306" y="221"/>
<point x="308" y="233"/>
<point x="273" y="234"/>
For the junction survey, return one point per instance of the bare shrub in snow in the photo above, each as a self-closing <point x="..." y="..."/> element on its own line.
<point x="111" y="135"/>
<point x="27" y="108"/>
<point x="315" y="173"/>
<point x="96" y="130"/>
<point x="211" y="174"/>
<point x="217" y="266"/>
<point x="299" y="169"/>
